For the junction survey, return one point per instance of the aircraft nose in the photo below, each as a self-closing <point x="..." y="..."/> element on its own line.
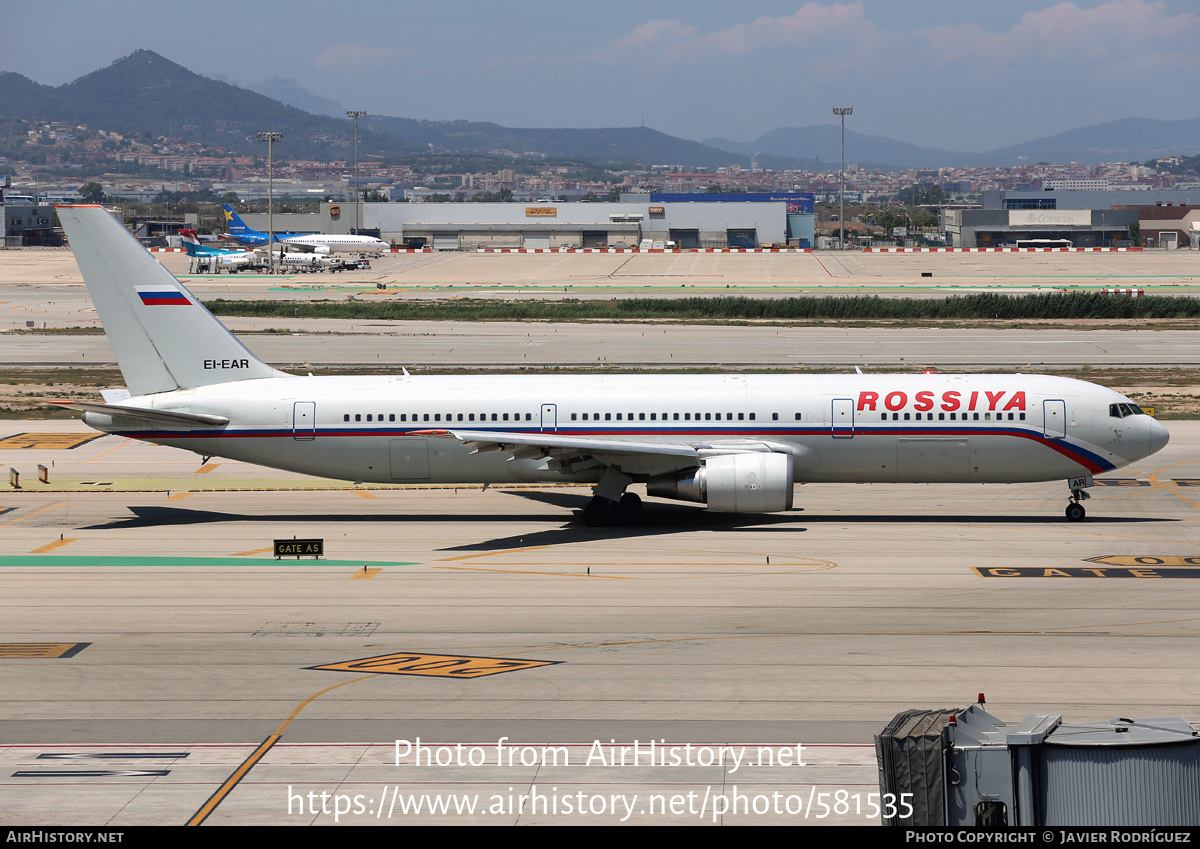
<point x="1159" y="436"/>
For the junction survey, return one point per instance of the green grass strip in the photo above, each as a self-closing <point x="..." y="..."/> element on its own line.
<point x="239" y="562"/>
<point x="986" y="305"/>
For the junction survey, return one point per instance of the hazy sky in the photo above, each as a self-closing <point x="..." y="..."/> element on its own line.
<point x="957" y="74"/>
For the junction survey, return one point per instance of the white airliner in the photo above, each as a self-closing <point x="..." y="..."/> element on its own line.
<point x="736" y="443"/>
<point x="319" y="243"/>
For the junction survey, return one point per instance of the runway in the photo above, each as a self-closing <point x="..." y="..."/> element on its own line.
<point x="811" y="628"/>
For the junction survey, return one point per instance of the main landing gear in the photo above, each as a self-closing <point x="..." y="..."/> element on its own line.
<point x="1075" y="511"/>
<point x="601" y="511"/>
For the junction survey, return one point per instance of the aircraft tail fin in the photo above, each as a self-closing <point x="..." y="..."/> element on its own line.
<point x="191" y="244"/>
<point x="235" y="225"/>
<point x="162" y="335"/>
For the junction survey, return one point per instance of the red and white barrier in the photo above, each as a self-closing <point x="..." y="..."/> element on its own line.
<point x="995" y="250"/>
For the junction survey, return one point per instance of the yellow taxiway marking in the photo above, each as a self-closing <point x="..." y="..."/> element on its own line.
<point x="110" y="450"/>
<point x="58" y="543"/>
<point x="546" y="574"/>
<point x="1170" y="486"/>
<point x="296" y="712"/>
<point x="435" y="665"/>
<point x="366" y="574"/>
<point x="363" y="494"/>
<point x="41" y="650"/>
<point x="495" y="553"/>
<point x="206" y="468"/>
<point x="1151" y="560"/>
<point x="47" y="440"/>
<point x="34" y="513"/>
<point x="233" y="780"/>
<point x="179" y="496"/>
<point x="255" y="551"/>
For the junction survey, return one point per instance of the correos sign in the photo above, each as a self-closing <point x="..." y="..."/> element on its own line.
<point x="1049" y="217"/>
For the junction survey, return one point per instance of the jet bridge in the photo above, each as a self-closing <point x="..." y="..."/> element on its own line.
<point x="965" y="767"/>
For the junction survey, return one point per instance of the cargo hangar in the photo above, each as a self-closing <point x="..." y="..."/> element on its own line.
<point x="690" y="221"/>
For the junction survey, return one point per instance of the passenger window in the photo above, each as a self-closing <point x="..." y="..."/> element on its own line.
<point x="707" y="417"/>
<point x="391" y="417"/>
<point x="752" y="416"/>
<point x="686" y="416"/>
<point x="573" y="416"/>
<point x="506" y="416"/>
<point x="677" y="417"/>
<point x="358" y="417"/>
<point x="608" y="417"/>
<point x="618" y="416"/>
<point x="368" y="416"/>
<point x="642" y="416"/>
<point x="460" y="418"/>
<point x="774" y="417"/>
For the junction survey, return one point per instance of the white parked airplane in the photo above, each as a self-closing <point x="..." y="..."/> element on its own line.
<point x="737" y="443"/>
<point x="319" y="243"/>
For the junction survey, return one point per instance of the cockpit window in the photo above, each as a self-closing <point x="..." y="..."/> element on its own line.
<point x="1120" y="411"/>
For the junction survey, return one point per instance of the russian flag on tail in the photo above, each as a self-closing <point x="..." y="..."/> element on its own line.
<point x="163" y="297"/>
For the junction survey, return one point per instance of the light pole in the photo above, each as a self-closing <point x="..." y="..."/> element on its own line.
<point x="842" y="112"/>
<point x="356" y="114"/>
<point x="270" y="139"/>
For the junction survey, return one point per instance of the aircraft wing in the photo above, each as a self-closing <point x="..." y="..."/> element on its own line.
<point x="524" y="445"/>
<point x="580" y="452"/>
<point x="298" y="247"/>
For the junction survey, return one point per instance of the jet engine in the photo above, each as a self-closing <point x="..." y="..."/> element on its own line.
<point x="751" y="482"/>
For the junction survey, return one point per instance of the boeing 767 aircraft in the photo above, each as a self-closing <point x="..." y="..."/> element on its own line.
<point x="736" y="443"/>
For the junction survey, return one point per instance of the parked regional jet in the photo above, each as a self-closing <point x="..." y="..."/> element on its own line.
<point x="736" y="443"/>
<point x="217" y="258"/>
<point x="315" y="243"/>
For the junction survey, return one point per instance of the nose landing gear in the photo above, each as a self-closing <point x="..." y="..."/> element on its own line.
<point x="1079" y="493"/>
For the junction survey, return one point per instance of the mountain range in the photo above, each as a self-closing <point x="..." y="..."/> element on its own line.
<point x="146" y="93"/>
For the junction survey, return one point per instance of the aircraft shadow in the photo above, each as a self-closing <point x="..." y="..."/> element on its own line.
<point x="655" y="520"/>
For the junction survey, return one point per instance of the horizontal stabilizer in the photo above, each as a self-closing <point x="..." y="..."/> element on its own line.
<point x="159" y="416"/>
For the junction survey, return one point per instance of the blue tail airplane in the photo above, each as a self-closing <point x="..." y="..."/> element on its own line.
<point x="317" y="243"/>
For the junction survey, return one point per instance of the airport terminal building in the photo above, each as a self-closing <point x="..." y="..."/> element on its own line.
<point x="1082" y="219"/>
<point x="697" y="221"/>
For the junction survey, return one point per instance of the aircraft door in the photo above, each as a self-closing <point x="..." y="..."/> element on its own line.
<point x="1054" y="419"/>
<point x="304" y="420"/>
<point x="843" y="418"/>
<point x="549" y="418"/>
